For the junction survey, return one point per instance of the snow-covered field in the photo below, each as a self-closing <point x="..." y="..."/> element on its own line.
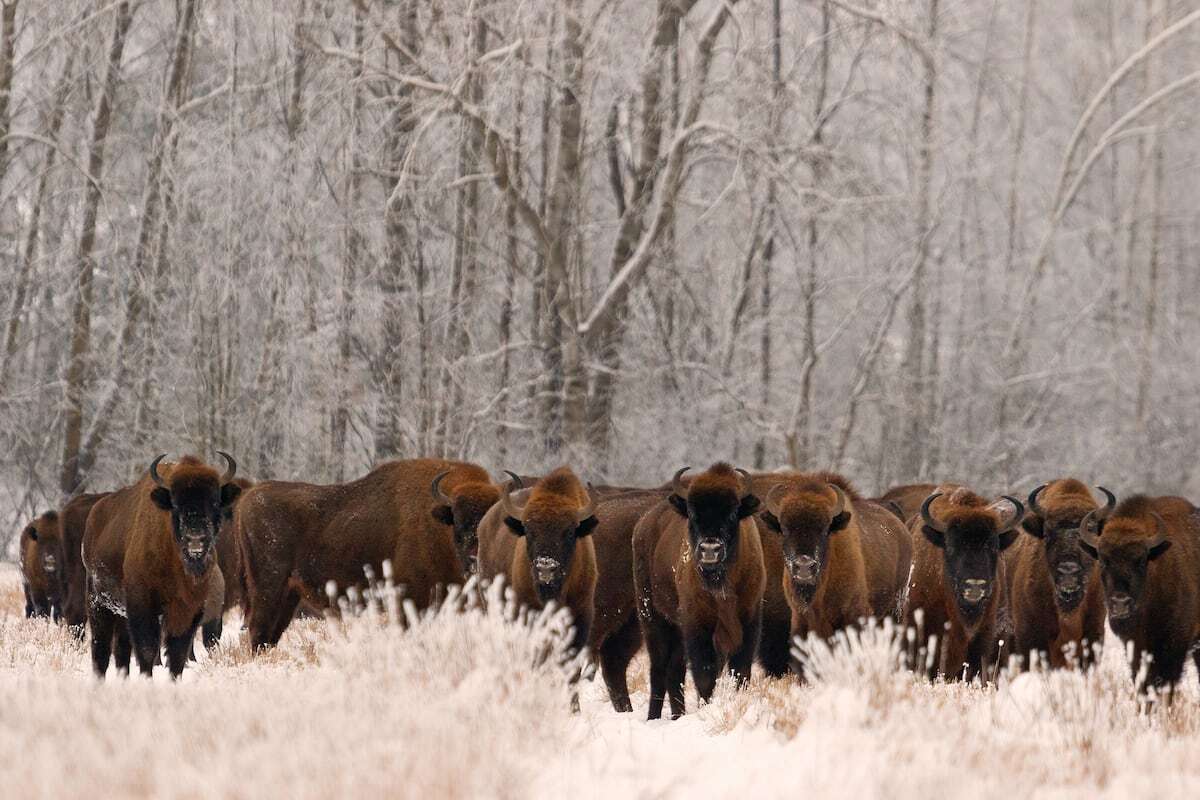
<point x="455" y="707"/>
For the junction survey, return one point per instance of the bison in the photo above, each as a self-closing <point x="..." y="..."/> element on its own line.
<point x="957" y="577"/>
<point x="73" y="520"/>
<point x="1055" y="601"/>
<point x="42" y="566"/>
<point x="906" y="500"/>
<point x="1149" y="560"/>
<point x="294" y="538"/>
<point x="699" y="576"/>
<point x="227" y="587"/>
<point x="149" y="550"/>
<point x="845" y="558"/>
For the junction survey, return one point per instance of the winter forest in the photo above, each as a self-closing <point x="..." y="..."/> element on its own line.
<point x="912" y="240"/>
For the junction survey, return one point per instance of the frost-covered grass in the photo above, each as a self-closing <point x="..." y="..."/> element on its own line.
<point x="455" y="706"/>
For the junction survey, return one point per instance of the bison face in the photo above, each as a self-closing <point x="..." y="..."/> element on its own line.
<point x="196" y="500"/>
<point x="1069" y="562"/>
<point x="1125" y="553"/>
<point x="714" y="524"/>
<point x="550" y="540"/>
<point x="971" y="542"/>
<point x="463" y="516"/>
<point x="50" y="551"/>
<point x="806" y="520"/>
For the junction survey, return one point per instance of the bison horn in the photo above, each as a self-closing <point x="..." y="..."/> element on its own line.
<point x="517" y="483"/>
<point x="1015" y="518"/>
<point x="230" y="467"/>
<point x="507" y="505"/>
<point x="154" y="471"/>
<point x="676" y="486"/>
<point x="841" y="496"/>
<point x="927" y="517"/>
<point x="1110" y="502"/>
<point x="1033" y="501"/>
<point x="1088" y="525"/>
<point x="774" y="497"/>
<point x="744" y="483"/>
<point x="590" y="509"/>
<point x="435" y="489"/>
<point x="1162" y="531"/>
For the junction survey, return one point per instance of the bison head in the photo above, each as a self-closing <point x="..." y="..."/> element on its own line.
<point x="1132" y="537"/>
<point x="806" y="518"/>
<point x="971" y="538"/>
<point x="552" y="520"/>
<point x="462" y="507"/>
<point x="714" y="506"/>
<point x="1057" y="524"/>
<point x="47" y="533"/>
<point x="196" y="497"/>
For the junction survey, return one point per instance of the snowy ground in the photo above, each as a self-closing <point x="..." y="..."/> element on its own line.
<point x="454" y="707"/>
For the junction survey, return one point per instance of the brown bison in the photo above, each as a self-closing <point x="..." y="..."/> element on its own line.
<point x="73" y="520"/>
<point x="906" y="500"/>
<point x="294" y="538"/>
<point x="699" y="576"/>
<point x="229" y="560"/>
<point x="1149" y="557"/>
<point x="845" y="558"/>
<point x="42" y="566"/>
<point x="1055" y="600"/>
<point x="957" y="577"/>
<point x="149" y="550"/>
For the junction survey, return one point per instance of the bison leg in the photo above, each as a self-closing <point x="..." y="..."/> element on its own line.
<point x="179" y="647"/>
<point x="146" y="631"/>
<point x="283" y="618"/>
<point x="665" y="648"/>
<point x="741" y="660"/>
<point x="704" y="660"/>
<point x="28" y="603"/>
<point x="122" y="649"/>
<point x="102" y="622"/>
<point x="56" y="611"/>
<point x="774" y="644"/>
<point x="615" y="654"/>
<point x="212" y="632"/>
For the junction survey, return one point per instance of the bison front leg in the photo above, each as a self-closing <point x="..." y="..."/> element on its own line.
<point x="704" y="660"/>
<point x="741" y="660"/>
<point x="180" y="647"/>
<point x="145" y="630"/>
<point x="28" y="603"/>
<point x="615" y="654"/>
<point x="665" y="648"/>
<point x="103" y="623"/>
<point x="212" y="632"/>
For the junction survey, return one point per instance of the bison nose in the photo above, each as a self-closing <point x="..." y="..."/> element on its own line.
<point x="1120" y="605"/>
<point x="1068" y="568"/>
<point x="711" y="551"/>
<point x="49" y="563"/>
<point x="974" y="590"/>
<point x="804" y="569"/>
<point x="546" y="569"/>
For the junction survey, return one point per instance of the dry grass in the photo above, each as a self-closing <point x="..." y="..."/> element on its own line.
<point x="455" y="706"/>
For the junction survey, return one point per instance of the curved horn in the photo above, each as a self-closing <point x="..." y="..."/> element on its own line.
<point x="1090" y="521"/>
<point x="435" y="489"/>
<point x="588" y="510"/>
<point x="1162" y="531"/>
<point x="154" y="470"/>
<point x="744" y="485"/>
<point x="927" y="517"/>
<point x="1033" y="502"/>
<point x="507" y="505"/>
<point x="1110" y="502"/>
<point x="517" y="483"/>
<point x="774" y="496"/>
<point x="841" y="496"/>
<point x="676" y="486"/>
<point x="230" y="467"/>
<point x="1017" y="516"/>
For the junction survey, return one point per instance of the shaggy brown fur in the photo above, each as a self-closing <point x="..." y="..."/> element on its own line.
<point x="966" y="632"/>
<point x="710" y="610"/>
<point x="230" y="579"/>
<point x="42" y="567"/>
<point x="835" y="569"/>
<point x="542" y="527"/>
<point x="1151" y="579"/>
<point x="1056" y="601"/>
<point x="294" y="538"/>
<point x="150" y="557"/>
<point x="906" y="500"/>
<point x="74" y="520"/>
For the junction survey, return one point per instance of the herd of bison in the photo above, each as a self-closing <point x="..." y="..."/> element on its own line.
<point x="710" y="570"/>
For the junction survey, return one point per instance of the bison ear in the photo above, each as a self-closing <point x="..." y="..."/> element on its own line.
<point x="1007" y="538"/>
<point x="936" y="538"/>
<point x="679" y="504"/>
<point x="839" y="522"/>
<point x="31" y="532"/>
<point x="443" y="514"/>
<point x="748" y="506"/>
<point x="1158" y="549"/>
<point x="515" y="525"/>
<point x="161" y="497"/>
<point x="229" y="493"/>
<point x="1033" y="525"/>
<point x="771" y="521"/>
<point x="587" y="526"/>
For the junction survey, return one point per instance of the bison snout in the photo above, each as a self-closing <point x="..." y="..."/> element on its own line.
<point x="546" y="569"/>
<point x="1120" y="606"/>
<point x="974" y="590"/>
<point x="712" y="551"/>
<point x="803" y="569"/>
<point x="50" y="563"/>
<point x="1068" y="568"/>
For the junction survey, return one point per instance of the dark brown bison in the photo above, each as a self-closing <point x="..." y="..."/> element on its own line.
<point x="957" y="578"/>
<point x="295" y="538"/>
<point x="542" y="543"/>
<point x="845" y="558"/>
<point x="42" y="567"/>
<point x="1055" y="599"/>
<point x="73" y="520"/>
<point x="1149" y="557"/>
<point x="905" y="501"/>
<point x="150" y="554"/>
<point x="699" y="576"/>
